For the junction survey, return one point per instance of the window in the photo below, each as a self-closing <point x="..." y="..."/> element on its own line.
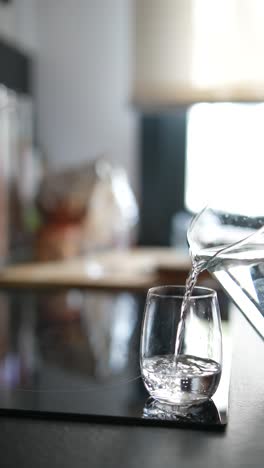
<point x="225" y="157"/>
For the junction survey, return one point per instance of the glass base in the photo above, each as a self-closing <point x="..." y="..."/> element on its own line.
<point x="205" y="412"/>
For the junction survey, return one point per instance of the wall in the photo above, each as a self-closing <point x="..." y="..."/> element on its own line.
<point x="83" y="82"/>
<point x="18" y="24"/>
<point x="163" y="149"/>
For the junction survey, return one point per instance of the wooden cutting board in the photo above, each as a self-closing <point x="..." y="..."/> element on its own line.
<point x="133" y="269"/>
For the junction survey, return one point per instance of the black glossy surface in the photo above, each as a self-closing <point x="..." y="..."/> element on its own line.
<point x="25" y="442"/>
<point x="75" y="355"/>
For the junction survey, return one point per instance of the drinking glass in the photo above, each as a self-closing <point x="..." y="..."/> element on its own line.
<point x="192" y="376"/>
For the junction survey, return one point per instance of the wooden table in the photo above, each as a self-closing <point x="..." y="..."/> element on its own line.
<point x="134" y="269"/>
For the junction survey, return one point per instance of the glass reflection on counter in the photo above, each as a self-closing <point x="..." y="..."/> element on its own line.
<point x="203" y="413"/>
<point x="17" y="343"/>
<point x="83" y="333"/>
<point x="109" y="325"/>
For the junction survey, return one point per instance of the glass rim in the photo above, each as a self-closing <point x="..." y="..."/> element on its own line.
<point x="157" y="291"/>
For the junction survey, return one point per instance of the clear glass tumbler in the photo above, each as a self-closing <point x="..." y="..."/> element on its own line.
<point x="192" y="376"/>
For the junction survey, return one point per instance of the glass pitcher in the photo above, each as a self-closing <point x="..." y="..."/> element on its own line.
<point x="231" y="247"/>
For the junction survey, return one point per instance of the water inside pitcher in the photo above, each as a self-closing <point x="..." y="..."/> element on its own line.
<point x="231" y="247"/>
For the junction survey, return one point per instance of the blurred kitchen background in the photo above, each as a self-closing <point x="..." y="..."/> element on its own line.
<point x="119" y="119"/>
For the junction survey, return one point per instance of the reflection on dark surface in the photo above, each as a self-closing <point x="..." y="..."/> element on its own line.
<point x="77" y="352"/>
<point x="204" y="413"/>
<point x="89" y="333"/>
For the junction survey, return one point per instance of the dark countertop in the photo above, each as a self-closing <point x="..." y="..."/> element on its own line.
<point x="27" y="442"/>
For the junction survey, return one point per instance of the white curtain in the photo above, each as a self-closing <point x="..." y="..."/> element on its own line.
<point x="198" y="50"/>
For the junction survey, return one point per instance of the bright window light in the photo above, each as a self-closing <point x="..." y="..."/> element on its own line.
<point x="225" y="158"/>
